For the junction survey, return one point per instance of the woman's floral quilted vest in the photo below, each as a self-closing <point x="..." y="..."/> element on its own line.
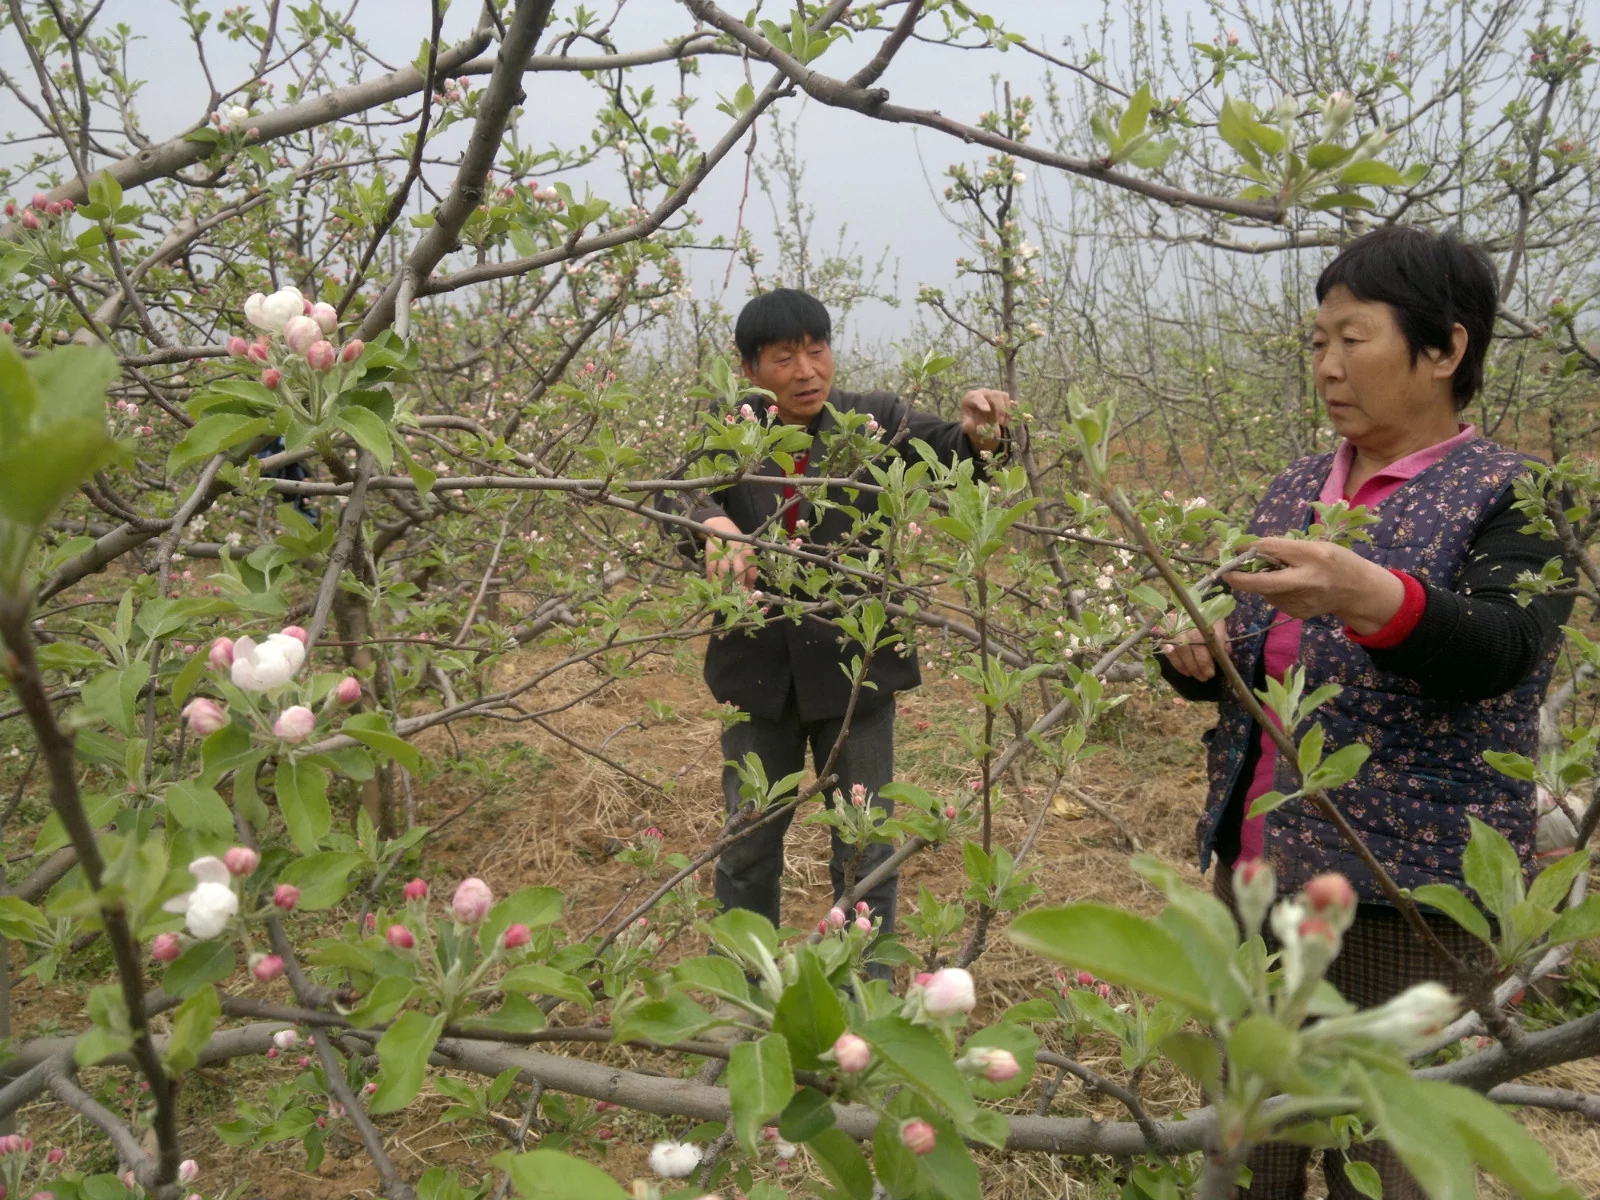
<point x="1426" y="774"/>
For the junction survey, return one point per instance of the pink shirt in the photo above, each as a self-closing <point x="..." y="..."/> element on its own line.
<point x="1282" y="647"/>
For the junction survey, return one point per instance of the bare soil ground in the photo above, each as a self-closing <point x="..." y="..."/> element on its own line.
<point x="555" y="816"/>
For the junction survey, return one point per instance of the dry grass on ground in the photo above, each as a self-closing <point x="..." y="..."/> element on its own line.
<point x="561" y="815"/>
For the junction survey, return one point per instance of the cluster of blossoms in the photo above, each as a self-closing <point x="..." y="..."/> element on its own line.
<point x="39" y="210"/>
<point x="231" y="116"/>
<point x="1082" y="980"/>
<point x="261" y="667"/>
<point x="838" y="919"/>
<point x="304" y="328"/>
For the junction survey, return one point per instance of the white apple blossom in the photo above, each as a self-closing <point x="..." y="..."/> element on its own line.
<point x="236" y="114"/>
<point x="207" y="908"/>
<point x="674" y="1160"/>
<point x="268" y="664"/>
<point x="271" y="313"/>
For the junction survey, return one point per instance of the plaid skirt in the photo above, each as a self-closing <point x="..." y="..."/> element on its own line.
<point x="1379" y="957"/>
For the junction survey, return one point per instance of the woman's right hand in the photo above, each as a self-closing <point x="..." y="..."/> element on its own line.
<point x="1189" y="655"/>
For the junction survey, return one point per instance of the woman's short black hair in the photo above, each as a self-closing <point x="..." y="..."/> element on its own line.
<point x="1432" y="282"/>
<point x="781" y="315"/>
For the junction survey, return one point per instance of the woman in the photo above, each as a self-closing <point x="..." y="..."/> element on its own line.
<point x="1420" y="628"/>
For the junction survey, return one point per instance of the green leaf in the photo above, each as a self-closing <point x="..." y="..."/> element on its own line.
<point x="1117" y="946"/>
<point x="1233" y="126"/>
<point x="369" y="431"/>
<point x="552" y="1175"/>
<point x="1310" y="750"/>
<point x="388" y="996"/>
<point x="516" y="1014"/>
<point x="192" y="1025"/>
<point x="805" y="1116"/>
<point x="1136" y="114"/>
<point x="664" y="1021"/>
<point x="21" y="921"/>
<point x="373" y="729"/>
<point x="1340" y="767"/>
<point x="1552" y="884"/>
<point x="202" y="964"/>
<point x="542" y="980"/>
<point x="1325" y="155"/>
<point x="1363" y="1176"/>
<point x="323" y="879"/>
<point x="1262" y="1047"/>
<point x="715" y="976"/>
<point x="1197" y="1057"/>
<point x="1371" y="171"/>
<point x="1495" y="1140"/>
<point x="189" y="675"/>
<point x="1455" y="905"/>
<point x="760" y="1085"/>
<point x="403" y="1057"/>
<point x="212" y="436"/>
<point x="198" y="808"/>
<point x="1577" y="924"/>
<point x="920" y="1059"/>
<point x="809" y="1013"/>
<point x="842" y="1162"/>
<point x="1491" y="869"/>
<point x="1517" y="766"/>
<point x="303" y="801"/>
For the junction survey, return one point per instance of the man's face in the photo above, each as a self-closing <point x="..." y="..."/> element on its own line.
<point x="798" y="374"/>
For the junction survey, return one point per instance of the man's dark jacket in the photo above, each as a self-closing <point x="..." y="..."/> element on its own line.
<point x="756" y="669"/>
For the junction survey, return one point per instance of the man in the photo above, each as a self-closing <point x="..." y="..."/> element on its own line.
<point x="787" y="676"/>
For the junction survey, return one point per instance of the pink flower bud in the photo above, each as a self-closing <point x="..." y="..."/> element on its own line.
<point x="371" y="1089"/>
<point x="322" y="1121"/>
<point x="372" y="922"/>
<point x="128" y="1180"/>
<point x="40" y="201"/>
<point x="851" y="1053"/>
<point x="166" y="947"/>
<point x="321" y="356"/>
<point x="949" y="812"/>
<point x="241" y="860"/>
<point x="68" y="206"/>
<point x="1315" y="929"/>
<point x="205" y="716"/>
<point x="1085" y="979"/>
<point x="256" y="352"/>
<point x="862" y="908"/>
<point x="993" y="1063"/>
<point x="301" y="333"/>
<point x="948" y="992"/>
<point x="56" y="1157"/>
<point x="271" y="378"/>
<point x="400" y="937"/>
<point x="326" y="318"/>
<point x="222" y="654"/>
<point x="863" y="924"/>
<point x="29" y="221"/>
<point x="918" y="1137"/>
<point x="822" y="927"/>
<point x="238" y="347"/>
<point x="286" y="896"/>
<point x="472" y="900"/>
<point x="286" y="1039"/>
<point x="54" y="209"/>
<point x="295" y="723"/>
<point x="188" y="1171"/>
<point x="348" y="690"/>
<point x="836" y="917"/>
<point x="11" y="208"/>
<point x="266" y="967"/>
<point x="1330" y="891"/>
<point x="352" y="350"/>
<point x="417" y="889"/>
<point x="297" y="633"/>
<point x="1103" y="990"/>
<point x="517" y="936"/>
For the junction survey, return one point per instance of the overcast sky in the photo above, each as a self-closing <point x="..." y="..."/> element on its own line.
<point x="865" y="174"/>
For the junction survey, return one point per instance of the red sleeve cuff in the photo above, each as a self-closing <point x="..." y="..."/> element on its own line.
<point x="1405" y="619"/>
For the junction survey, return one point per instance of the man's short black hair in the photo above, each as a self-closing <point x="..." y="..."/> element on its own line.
<point x="1432" y="282"/>
<point x="781" y="315"/>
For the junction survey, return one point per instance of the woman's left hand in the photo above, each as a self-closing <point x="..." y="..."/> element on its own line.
<point x="1320" y="577"/>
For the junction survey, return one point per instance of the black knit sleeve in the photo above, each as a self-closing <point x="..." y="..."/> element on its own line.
<point x="1190" y="688"/>
<point x="1475" y="641"/>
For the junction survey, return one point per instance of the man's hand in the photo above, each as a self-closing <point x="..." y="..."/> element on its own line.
<point x="1189" y="654"/>
<point x="728" y="558"/>
<point x="1320" y="577"/>
<point x="983" y="408"/>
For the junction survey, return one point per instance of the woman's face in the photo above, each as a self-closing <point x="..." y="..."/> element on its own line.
<point x="1376" y="396"/>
